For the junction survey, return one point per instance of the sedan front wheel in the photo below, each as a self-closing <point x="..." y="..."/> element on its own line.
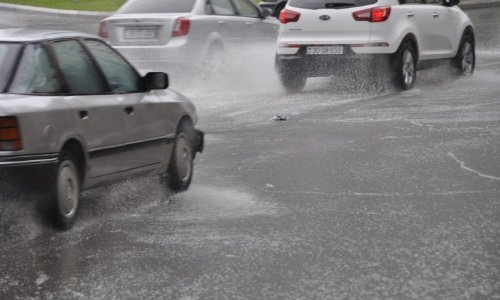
<point x="180" y="170"/>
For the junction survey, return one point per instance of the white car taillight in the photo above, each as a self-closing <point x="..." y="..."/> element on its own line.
<point x="288" y="16"/>
<point x="181" y="27"/>
<point x="376" y="14"/>
<point x="10" y="136"/>
<point x="102" y="30"/>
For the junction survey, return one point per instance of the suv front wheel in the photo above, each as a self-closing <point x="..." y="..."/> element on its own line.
<point x="465" y="61"/>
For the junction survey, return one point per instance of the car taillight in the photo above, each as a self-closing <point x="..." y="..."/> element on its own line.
<point x="287" y="16"/>
<point x="103" y="32"/>
<point x="181" y="27"/>
<point x="10" y="137"/>
<point x="376" y="14"/>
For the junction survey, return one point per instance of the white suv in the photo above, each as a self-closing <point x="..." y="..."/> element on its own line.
<point x="323" y="37"/>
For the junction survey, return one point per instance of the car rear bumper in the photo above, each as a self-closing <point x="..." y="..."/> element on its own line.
<point x="326" y="65"/>
<point x="29" y="173"/>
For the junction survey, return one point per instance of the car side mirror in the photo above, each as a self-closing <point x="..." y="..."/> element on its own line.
<point x="450" y="3"/>
<point x="266" y="12"/>
<point x="155" y="81"/>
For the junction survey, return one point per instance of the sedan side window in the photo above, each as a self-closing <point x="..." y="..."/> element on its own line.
<point x="246" y="9"/>
<point x="35" y="74"/>
<point x="222" y="7"/>
<point x="78" y="69"/>
<point x="121" y="76"/>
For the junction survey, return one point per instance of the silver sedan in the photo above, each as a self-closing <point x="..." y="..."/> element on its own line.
<point x="75" y="112"/>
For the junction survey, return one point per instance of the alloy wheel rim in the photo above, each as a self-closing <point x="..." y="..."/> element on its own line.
<point x="467" y="59"/>
<point x="183" y="159"/>
<point x="408" y="68"/>
<point x="67" y="190"/>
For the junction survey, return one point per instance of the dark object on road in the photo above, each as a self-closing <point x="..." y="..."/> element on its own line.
<point x="280" y="118"/>
<point x="76" y="112"/>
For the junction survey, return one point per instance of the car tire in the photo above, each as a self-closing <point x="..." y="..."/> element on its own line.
<point x="65" y="197"/>
<point x="292" y="80"/>
<point x="180" y="169"/>
<point x="465" y="60"/>
<point x="405" y="66"/>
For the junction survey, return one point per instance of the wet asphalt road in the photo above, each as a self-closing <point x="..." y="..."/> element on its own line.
<point x="357" y="196"/>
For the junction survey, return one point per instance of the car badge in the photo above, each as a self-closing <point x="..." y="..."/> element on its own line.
<point x="324" y="18"/>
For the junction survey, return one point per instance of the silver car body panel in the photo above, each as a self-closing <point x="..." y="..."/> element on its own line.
<point x="120" y="134"/>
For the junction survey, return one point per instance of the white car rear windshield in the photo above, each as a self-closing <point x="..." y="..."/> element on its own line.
<point x="155" y="6"/>
<point x="329" y="4"/>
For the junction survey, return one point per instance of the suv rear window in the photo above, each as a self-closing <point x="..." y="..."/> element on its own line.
<point x="155" y="6"/>
<point x="329" y="4"/>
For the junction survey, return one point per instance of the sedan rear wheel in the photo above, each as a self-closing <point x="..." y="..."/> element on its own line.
<point x="66" y="195"/>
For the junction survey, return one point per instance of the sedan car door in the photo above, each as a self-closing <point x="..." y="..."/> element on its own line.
<point x="97" y="114"/>
<point x="149" y="131"/>
<point x="258" y="27"/>
<point x="230" y="25"/>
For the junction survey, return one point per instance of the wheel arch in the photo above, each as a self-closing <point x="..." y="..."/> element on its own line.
<point x="413" y="39"/>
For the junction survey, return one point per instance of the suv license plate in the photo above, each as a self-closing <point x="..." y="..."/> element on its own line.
<point x="325" y="50"/>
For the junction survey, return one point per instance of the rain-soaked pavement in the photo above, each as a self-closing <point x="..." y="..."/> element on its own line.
<point x="358" y="195"/>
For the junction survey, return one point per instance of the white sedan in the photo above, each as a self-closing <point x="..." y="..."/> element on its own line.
<point x="173" y="34"/>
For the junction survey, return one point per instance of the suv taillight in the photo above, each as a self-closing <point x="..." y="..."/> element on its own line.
<point x="287" y="16"/>
<point x="103" y="32"/>
<point x="376" y="14"/>
<point x="10" y="137"/>
<point x="181" y="27"/>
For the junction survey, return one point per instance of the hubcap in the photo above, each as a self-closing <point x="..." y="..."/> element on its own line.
<point x="183" y="158"/>
<point x="408" y="68"/>
<point x="467" y="59"/>
<point x="67" y="189"/>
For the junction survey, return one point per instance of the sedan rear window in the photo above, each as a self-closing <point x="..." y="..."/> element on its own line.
<point x="155" y="6"/>
<point x="330" y="4"/>
<point x="8" y="54"/>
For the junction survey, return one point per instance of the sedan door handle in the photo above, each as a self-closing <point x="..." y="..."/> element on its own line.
<point x="129" y="110"/>
<point x="222" y="22"/>
<point x="249" y="23"/>
<point x="435" y="15"/>
<point x="410" y="14"/>
<point x="83" y="114"/>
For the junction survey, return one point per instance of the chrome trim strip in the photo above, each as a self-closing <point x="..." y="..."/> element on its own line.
<point x="29" y="162"/>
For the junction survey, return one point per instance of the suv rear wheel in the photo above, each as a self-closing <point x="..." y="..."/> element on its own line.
<point x="292" y="79"/>
<point x="405" y="66"/>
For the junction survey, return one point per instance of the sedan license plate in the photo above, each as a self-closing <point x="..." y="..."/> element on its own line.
<point x="139" y="34"/>
<point x="325" y="50"/>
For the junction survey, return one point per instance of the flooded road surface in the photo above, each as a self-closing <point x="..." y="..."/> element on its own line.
<point x="358" y="195"/>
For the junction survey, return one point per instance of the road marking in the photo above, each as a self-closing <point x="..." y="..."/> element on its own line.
<point x="490" y="64"/>
<point x="463" y="166"/>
